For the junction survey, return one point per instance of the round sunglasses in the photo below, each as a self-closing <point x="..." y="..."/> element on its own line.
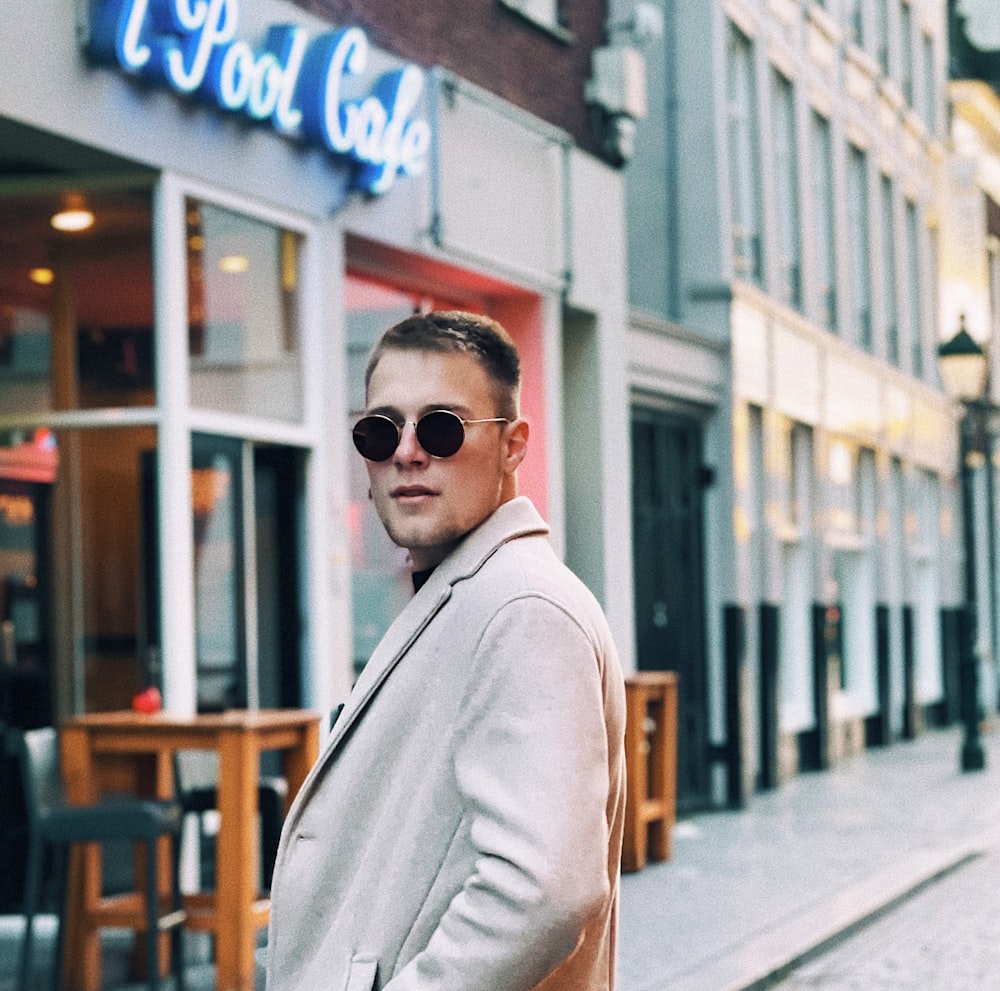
<point x="441" y="434"/>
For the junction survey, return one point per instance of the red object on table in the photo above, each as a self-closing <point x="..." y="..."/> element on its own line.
<point x="147" y="701"/>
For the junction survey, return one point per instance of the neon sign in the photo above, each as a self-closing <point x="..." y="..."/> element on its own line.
<point x="296" y="83"/>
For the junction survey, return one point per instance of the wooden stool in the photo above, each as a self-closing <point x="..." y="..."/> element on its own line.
<point x="651" y="766"/>
<point x="55" y="825"/>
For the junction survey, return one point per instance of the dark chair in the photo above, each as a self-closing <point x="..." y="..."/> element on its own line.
<point x="198" y="795"/>
<point x="56" y="825"/>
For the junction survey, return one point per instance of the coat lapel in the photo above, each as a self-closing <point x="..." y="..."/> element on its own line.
<point x="513" y="519"/>
<point x="400" y="636"/>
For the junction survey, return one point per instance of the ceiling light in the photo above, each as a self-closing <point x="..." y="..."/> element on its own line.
<point x="72" y="221"/>
<point x="234" y="264"/>
<point x="41" y="276"/>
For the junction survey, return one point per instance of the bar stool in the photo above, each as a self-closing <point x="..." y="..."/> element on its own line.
<point x="57" y="825"/>
<point x="197" y="795"/>
<point x="651" y="766"/>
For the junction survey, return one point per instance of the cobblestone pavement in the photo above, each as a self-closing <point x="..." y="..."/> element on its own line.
<point x="745" y="894"/>
<point x="944" y="938"/>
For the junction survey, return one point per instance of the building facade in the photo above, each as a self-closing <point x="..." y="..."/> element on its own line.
<point x="784" y="217"/>
<point x="266" y="187"/>
<point x="970" y="283"/>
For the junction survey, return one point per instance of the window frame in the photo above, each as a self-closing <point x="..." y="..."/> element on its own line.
<point x="915" y="310"/>
<point x="821" y="148"/>
<point x="861" y="255"/>
<point x="890" y="278"/>
<point x="746" y="200"/>
<point x="548" y="15"/>
<point x="786" y="170"/>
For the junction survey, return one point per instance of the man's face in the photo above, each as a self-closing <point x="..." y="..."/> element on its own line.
<point x="428" y="504"/>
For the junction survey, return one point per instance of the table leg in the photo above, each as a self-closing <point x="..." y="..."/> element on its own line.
<point x="164" y="788"/>
<point x="81" y="941"/>
<point x="298" y="761"/>
<point x="236" y="873"/>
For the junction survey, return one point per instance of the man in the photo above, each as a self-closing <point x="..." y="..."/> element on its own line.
<point x="462" y="830"/>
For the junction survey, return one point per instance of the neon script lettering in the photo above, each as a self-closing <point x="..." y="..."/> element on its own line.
<point x="297" y="84"/>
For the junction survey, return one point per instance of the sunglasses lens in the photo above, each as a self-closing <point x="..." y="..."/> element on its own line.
<point x="440" y="433"/>
<point x="376" y="437"/>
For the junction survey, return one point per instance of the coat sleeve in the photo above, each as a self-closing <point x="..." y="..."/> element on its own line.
<point x="531" y="767"/>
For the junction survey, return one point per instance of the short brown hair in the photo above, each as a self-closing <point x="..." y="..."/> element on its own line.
<point x="459" y="332"/>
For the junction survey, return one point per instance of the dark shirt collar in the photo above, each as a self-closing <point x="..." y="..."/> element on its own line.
<point x="420" y="579"/>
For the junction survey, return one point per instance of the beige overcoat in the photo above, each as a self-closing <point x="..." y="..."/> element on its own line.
<point x="462" y="830"/>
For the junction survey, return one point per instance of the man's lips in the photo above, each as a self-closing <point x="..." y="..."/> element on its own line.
<point x="411" y="491"/>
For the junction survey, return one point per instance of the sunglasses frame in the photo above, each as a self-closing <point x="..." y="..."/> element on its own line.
<point x="416" y="426"/>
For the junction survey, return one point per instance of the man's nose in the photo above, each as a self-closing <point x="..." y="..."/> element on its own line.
<point x="409" y="450"/>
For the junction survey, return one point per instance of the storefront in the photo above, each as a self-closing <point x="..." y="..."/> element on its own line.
<point x="261" y="197"/>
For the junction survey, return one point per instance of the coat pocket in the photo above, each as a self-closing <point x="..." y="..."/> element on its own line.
<point x="361" y="976"/>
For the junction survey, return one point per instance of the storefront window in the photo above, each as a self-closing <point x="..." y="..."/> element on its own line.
<point x="216" y="498"/>
<point x="243" y="314"/>
<point x="76" y="304"/>
<point x="381" y="571"/>
<point x="100" y="548"/>
<point x="246" y="501"/>
<point x="27" y="470"/>
<point x="381" y="576"/>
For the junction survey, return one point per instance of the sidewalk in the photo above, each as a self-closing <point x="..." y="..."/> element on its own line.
<point x="745" y="894"/>
<point x="946" y="937"/>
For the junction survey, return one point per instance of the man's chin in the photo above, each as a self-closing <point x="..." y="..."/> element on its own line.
<point x="426" y="549"/>
<point x="411" y="538"/>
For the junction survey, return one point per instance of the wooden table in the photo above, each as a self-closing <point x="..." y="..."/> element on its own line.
<point x="124" y="751"/>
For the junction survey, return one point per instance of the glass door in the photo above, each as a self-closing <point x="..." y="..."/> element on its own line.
<point x="127" y="321"/>
<point x="278" y="492"/>
<point x="217" y="509"/>
<point x="245" y="506"/>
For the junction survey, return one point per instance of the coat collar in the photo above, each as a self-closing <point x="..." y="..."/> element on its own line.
<point x="513" y="519"/>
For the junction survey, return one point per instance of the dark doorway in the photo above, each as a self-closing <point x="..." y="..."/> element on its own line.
<point x="668" y="477"/>
<point x="278" y="494"/>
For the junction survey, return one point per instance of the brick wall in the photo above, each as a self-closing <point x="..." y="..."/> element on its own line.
<point x="490" y="45"/>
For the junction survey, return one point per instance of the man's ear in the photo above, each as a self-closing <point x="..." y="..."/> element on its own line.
<point x="517" y="445"/>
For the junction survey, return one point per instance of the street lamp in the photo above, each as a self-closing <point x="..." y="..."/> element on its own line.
<point x="964" y="372"/>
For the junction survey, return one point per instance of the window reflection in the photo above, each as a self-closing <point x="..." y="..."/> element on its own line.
<point x="380" y="570"/>
<point x="99" y="548"/>
<point x="215" y="502"/>
<point x="243" y="314"/>
<point x="76" y="308"/>
<point x="380" y="575"/>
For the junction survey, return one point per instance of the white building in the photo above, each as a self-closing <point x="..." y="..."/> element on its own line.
<point x="784" y="208"/>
